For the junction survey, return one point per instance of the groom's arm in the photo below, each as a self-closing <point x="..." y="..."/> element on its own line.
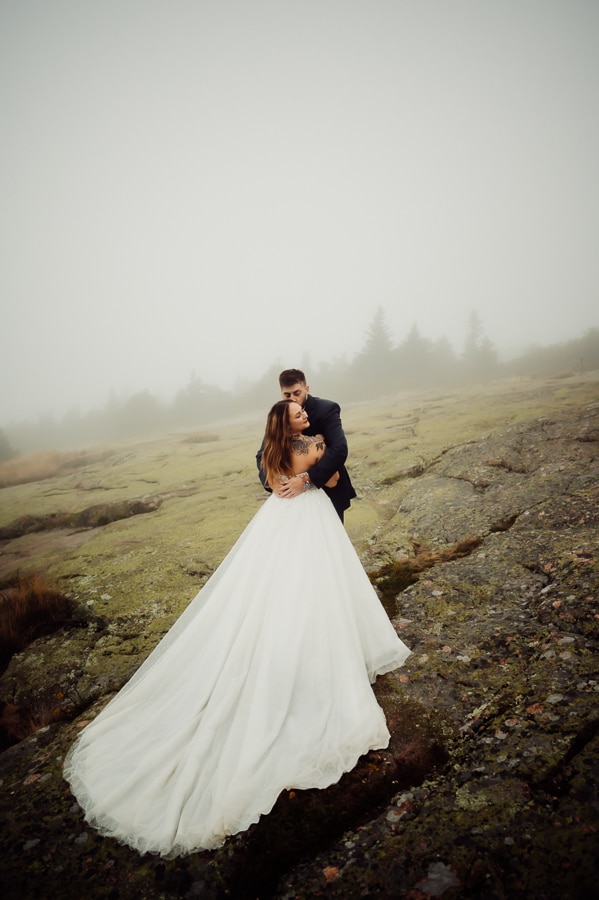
<point x="329" y="425"/>
<point x="261" y="473"/>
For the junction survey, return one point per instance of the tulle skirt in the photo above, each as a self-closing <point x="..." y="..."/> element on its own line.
<point x="262" y="685"/>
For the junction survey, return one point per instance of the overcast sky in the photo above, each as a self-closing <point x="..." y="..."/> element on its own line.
<point x="214" y="186"/>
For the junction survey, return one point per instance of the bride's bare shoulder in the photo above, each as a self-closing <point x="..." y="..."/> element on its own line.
<point x="303" y="444"/>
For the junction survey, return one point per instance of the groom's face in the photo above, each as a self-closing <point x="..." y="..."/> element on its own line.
<point x="297" y="392"/>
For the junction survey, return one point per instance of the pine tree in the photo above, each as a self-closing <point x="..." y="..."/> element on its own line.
<point x="373" y="365"/>
<point x="479" y="359"/>
<point x="6" y="451"/>
<point x="378" y="340"/>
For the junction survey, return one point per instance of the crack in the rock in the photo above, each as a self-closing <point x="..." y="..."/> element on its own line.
<point x="396" y="575"/>
<point x="91" y="517"/>
<point x="504" y="524"/>
<point x="556" y="781"/>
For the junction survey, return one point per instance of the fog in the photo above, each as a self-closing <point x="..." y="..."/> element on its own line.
<point x="202" y="188"/>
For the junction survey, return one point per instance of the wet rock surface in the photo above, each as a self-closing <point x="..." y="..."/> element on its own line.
<point x="489" y="788"/>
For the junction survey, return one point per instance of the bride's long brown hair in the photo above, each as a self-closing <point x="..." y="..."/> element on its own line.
<point x="276" y="451"/>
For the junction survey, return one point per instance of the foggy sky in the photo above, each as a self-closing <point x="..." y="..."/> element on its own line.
<point x="214" y="186"/>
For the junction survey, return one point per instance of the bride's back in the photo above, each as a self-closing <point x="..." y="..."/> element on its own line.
<point x="306" y="450"/>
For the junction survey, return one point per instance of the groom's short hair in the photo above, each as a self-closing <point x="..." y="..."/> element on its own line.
<point x="291" y="376"/>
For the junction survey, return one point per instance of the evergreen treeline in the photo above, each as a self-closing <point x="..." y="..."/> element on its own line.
<point x="381" y="367"/>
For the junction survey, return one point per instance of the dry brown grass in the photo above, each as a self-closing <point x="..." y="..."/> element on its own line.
<point x="28" y="609"/>
<point x="16" y="723"/>
<point x="39" y="466"/>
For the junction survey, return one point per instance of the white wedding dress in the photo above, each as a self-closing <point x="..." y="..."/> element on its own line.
<point x="262" y="685"/>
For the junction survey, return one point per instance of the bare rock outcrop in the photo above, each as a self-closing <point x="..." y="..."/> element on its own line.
<point x="489" y="788"/>
<point x="505" y="648"/>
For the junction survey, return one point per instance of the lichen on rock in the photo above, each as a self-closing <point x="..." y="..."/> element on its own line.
<point x="489" y="786"/>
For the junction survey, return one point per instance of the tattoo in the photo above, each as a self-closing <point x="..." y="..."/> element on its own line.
<point x="301" y="443"/>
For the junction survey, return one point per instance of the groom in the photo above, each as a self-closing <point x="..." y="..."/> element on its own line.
<point x="325" y="419"/>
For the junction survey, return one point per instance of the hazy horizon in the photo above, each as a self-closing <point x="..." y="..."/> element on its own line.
<point x="215" y="187"/>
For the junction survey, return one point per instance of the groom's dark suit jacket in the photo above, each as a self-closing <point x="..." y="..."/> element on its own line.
<point x="325" y="419"/>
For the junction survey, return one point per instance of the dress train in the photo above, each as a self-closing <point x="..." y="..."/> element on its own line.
<point x="263" y="684"/>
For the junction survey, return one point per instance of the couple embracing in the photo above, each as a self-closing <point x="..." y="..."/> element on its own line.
<point x="321" y="418"/>
<point x="263" y="684"/>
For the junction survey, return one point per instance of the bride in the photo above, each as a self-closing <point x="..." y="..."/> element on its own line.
<point x="262" y="684"/>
